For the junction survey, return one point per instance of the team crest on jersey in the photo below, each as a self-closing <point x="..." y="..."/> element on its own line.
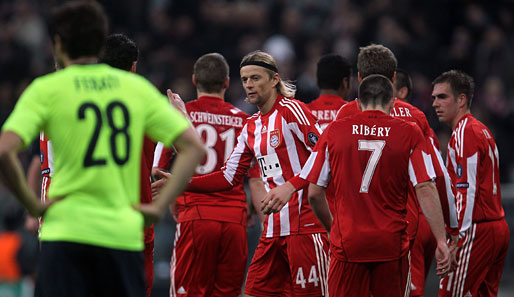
<point x="274" y="138"/>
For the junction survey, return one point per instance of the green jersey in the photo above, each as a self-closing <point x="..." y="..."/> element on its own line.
<point x="95" y="116"/>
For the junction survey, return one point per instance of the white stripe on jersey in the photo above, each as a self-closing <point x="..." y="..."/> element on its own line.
<point x="298" y="107"/>
<point x="297" y="111"/>
<point x="429" y="165"/>
<point x="231" y="164"/>
<point x="173" y="291"/>
<point x="472" y="163"/>
<point x="412" y="175"/>
<point x="452" y="159"/>
<point x="307" y="167"/>
<point x="324" y="177"/>
<point x="454" y="223"/>
<point x="292" y="153"/>
<point x="50" y="157"/>
<point x="157" y="154"/>
<point x="459" y="137"/>
<point x="285" y="227"/>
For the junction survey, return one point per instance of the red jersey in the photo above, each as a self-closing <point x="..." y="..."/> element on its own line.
<point x="369" y="158"/>
<point x="473" y="164"/>
<point x="281" y="141"/>
<point x="218" y="123"/>
<point x="325" y="108"/>
<point x="446" y="191"/>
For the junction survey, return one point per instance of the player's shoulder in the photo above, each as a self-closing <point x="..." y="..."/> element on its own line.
<point x="347" y="109"/>
<point x="293" y="110"/>
<point x="473" y="129"/>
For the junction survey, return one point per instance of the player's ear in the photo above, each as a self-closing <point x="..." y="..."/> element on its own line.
<point x="359" y="104"/>
<point x="227" y="83"/>
<point x="393" y="78"/>
<point x="462" y="100"/>
<point x="193" y="80"/>
<point x="359" y="77"/>
<point x="134" y="67"/>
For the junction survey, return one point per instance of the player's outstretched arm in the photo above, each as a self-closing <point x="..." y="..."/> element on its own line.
<point x="319" y="206"/>
<point x="191" y="153"/>
<point x="13" y="175"/>
<point x="431" y="206"/>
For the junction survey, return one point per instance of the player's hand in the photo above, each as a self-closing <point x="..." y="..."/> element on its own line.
<point x="453" y="245"/>
<point x="176" y="101"/>
<point x="276" y="198"/>
<point x="150" y="212"/>
<point x="39" y="208"/>
<point x="443" y="259"/>
<point x="162" y="180"/>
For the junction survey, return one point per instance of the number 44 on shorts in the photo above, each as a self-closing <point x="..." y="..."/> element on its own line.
<point x="313" y="277"/>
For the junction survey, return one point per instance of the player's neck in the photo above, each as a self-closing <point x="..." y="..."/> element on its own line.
<point x="204" y="94"/>
<point x="81" y="61"/>
<point x="268" y="105"/>
<point x="460" y="114"/>
<point x="330" y="92"/>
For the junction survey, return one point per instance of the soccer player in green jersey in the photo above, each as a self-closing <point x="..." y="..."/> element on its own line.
<point x="95" y="116"/>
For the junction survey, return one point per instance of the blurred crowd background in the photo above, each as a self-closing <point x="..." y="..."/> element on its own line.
<point x="427" y="37"/>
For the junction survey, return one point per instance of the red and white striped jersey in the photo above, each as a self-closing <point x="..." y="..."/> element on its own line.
<point x="218" y="123"/>
<point x="473" y="164"/>
<point x="47" y="164"/>
<point x="407" y="112"/>
<point x="369" y="158"/>
<point x="281" y="142"/>
<point x="325" y="108"/>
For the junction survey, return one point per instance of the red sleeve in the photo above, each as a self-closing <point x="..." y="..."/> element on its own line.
<point x="420" y="162"/>
<point x="255" y="171"/>
<point x="302" y="122"/>
<point x="209" y="183"/>
<point x="163" y="157"/>
<point x="317" y="168"/>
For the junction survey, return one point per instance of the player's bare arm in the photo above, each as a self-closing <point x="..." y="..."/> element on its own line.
<point x="14" y="177"/>
<point x="319" y="205"/>
<point x="431" y="206"/>
<point x="191" y="154"/>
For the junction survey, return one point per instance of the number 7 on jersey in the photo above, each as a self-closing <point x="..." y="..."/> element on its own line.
<point x="376" y="147"/>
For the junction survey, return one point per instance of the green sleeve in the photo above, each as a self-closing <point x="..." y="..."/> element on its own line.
<point x="29" y="114"/>
<point x="164" y="123"/>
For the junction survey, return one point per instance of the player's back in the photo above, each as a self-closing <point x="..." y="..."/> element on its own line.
<point x="371" y="197"/>
<point x="218" y="123"/>
<point x="95" y="117"/>
<point x="325" y="108"/>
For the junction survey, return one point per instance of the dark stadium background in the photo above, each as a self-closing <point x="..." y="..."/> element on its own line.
<point x="427" y="37"/>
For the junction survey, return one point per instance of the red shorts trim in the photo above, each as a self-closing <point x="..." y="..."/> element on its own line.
<point x="481" y="255"/>
<point x="294" y="265"/>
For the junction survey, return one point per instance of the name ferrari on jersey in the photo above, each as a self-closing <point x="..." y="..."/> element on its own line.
<point x="215" y="119"/>
<point x="270" y="165"/>
<point x="367" y="130"/>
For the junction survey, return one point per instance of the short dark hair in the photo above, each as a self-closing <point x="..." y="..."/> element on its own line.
<point x="460" y="83"/>
<point x="402" y="79"/>
<point x="211" y="71"/>
<point x="375" y="89"/>
<point x="120" y="52"/>
<point x="376" y="59"/>
<point x="81" y="26"/>
<point x="332" y="68"/>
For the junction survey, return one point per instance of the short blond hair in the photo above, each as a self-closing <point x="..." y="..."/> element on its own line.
<point x="285" y="88"/>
